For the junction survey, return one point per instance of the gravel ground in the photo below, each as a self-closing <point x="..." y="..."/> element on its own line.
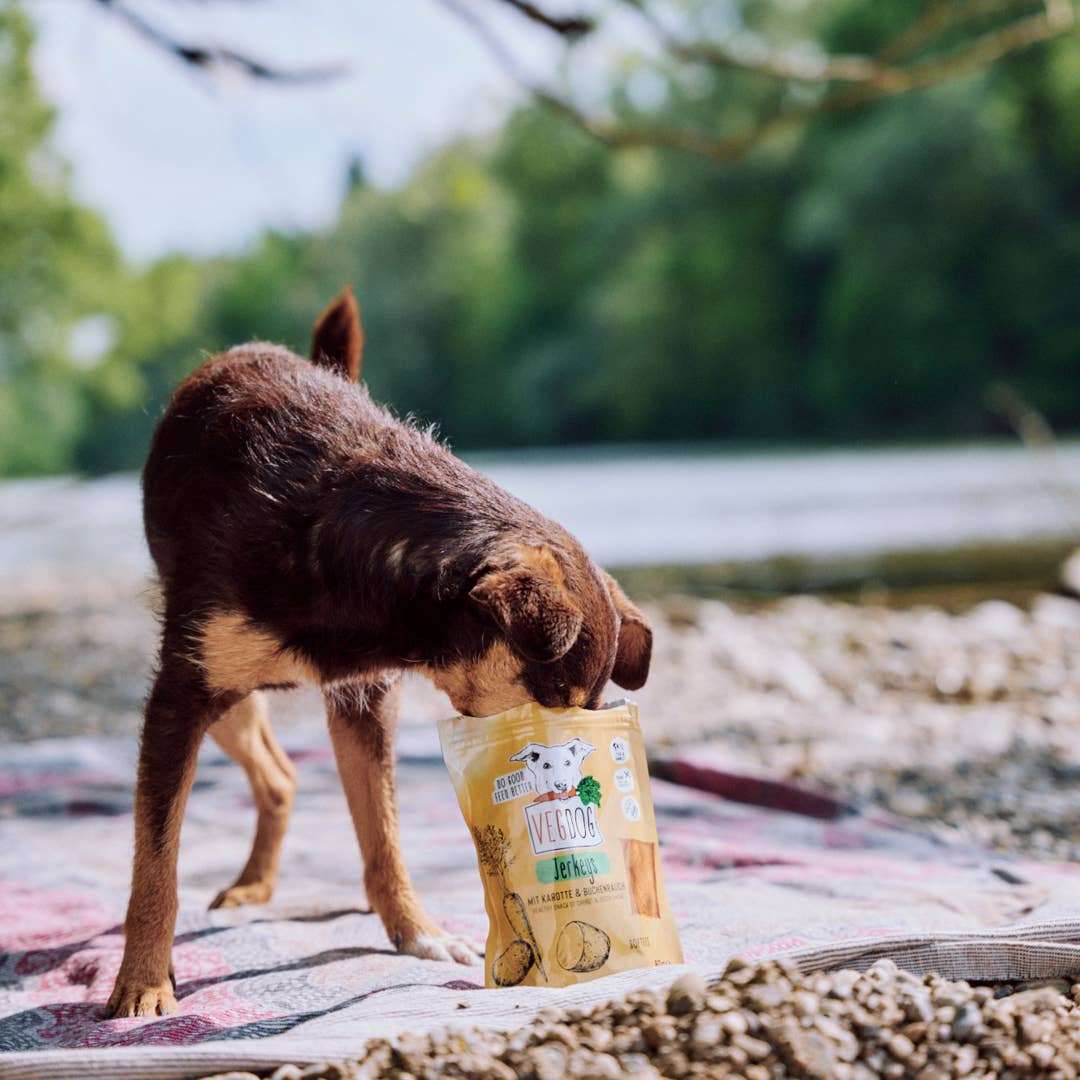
<point x="967" y="721"/>
<point x="759" y="1022"/>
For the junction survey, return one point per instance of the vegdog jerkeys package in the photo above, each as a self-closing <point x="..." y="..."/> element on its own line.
<point x="559" y="806"/>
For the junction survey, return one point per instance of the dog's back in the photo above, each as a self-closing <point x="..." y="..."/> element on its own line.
<point x="251" y="431"/>
<point x="257" y="448"/>
<point x="260" y="421"/>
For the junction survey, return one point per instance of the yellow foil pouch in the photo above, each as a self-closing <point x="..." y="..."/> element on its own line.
<point x="559" y="806"/>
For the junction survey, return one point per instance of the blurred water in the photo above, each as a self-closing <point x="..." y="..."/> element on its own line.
<point x="641" y="507"/>
<point x="648" y="508"/>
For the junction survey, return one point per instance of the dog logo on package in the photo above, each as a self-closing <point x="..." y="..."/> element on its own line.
<point x="563" y="815"/>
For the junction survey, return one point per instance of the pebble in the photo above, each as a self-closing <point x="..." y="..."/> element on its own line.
<point x="687" y="994"/>
<point x="734" y="1023"/>
<point x="901" y="1047"/>
<point x="968" y="1022"/>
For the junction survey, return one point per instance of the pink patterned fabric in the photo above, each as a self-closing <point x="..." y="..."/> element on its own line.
<point x="312" y="975"/>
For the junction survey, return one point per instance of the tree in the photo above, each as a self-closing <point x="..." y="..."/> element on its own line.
<point x="57" y="267"/>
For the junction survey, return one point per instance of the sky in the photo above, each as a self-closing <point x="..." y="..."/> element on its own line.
<point x="179" y="161"/>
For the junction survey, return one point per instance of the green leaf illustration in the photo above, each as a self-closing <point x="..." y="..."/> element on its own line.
<point x="589" y="791"/>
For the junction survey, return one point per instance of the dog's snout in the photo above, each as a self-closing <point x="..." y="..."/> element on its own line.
<point x="561" y="786"/>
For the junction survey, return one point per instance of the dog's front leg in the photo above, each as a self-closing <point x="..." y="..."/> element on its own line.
<point x="177" y="713"/>
<point x="362" y="721"/>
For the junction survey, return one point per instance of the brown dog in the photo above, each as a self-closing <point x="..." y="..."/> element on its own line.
<point x="303" y="534"/>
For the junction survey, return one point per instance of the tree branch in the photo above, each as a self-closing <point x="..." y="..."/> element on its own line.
<point x="778" y="64"/>
<point x="568" y="26"/>
<point x="613" y="135"/>
<point x="205" y="57"/>
<point x="1056" y="17"/>
<point x="938" y="17"/>
<point x="881" y="72"/>
<point x="867" y="78"/>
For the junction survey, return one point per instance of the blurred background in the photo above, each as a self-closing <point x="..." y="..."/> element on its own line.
<point x="760" y="297"/>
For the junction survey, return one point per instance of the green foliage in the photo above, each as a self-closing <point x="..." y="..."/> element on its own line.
<point x="589" y="791"/>
<point x="868" y="277"/>
<point x="51" y="255"/>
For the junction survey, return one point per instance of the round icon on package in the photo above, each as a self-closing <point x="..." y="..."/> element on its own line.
<point x="631" y="810"/>
<point x="619" y="751"/>
<point x="624" y="779"/>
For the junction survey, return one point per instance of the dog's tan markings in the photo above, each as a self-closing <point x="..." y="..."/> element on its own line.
<point x="144" y="985"/>
<point x="244" y="733"/>
<point x="362" y="721"/>
<point x="236" y="655"/>
<point x="541" y="560"/>
<point x="485" y="686"/>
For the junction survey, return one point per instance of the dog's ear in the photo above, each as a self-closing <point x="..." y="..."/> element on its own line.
<point x="529" y="602"/>
<point x="529" y="753"/>
<point x="337" y="342"/>
<point x="580" y="748"/>
<point x="634" y="651"/>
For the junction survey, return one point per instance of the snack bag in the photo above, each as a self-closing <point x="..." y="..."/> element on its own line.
<point x="559" y="805"/>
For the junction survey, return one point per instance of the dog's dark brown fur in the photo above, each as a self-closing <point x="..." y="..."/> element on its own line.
<point x="303" y="534"/>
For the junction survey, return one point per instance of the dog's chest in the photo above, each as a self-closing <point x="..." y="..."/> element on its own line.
<point x="238" y="656"/>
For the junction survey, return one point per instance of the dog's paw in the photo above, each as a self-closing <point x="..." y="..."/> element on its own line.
<point x="139" y="998"/>
<point x="436" y="944"/>
<point x="258" y="892"/>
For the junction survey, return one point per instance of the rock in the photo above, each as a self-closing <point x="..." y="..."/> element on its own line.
<point x="325" y="1071"/>
<point x="1070" y="573"/>
<point x="964" y="1060"/>
<point x="765" y="997"/>
<point x="968" y="1024"/>
<point x="706" y="1032"/>
<point x="884" y="970"/>
<point x="686" y="994"/>
<point x="809" y="1053"/>
<point x="734" y="1023"/>
<point x="755" y="1049"/>
<point x="286" y="1072"/>
<point x="901" y="1047"/>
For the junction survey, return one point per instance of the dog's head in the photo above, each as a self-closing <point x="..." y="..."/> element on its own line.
<point x="557" y="628"/>
<point x="555" y="769"/>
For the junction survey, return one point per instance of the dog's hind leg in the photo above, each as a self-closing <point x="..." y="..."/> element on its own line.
<point x="178" y="711"/>
<point x="362" y="721"/>
<point x="244" y="733"/>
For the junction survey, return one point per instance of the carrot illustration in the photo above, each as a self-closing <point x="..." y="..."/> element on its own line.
<point x="514" y="907"/>
<point x="493" y="849"/>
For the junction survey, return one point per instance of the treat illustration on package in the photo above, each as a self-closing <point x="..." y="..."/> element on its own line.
<point x="582" y="947"/>
<point x="560" y="810"/>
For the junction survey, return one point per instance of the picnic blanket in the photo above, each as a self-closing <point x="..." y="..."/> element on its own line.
<point x="312" y="977"/>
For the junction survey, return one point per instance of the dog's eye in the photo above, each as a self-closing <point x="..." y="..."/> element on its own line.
<point x="547" y="764"/>
<point x="567" y="761"/>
